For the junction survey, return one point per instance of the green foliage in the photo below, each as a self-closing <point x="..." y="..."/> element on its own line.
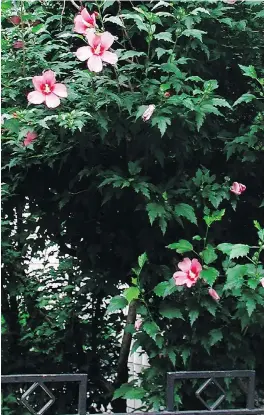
<point x="99" y="186"/>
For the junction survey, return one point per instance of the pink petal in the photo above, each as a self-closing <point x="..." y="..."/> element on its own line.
<point x="185" y="265"/>
<point x="180" y="278"/>
<point x="213" y="294"/>
<point x="60" y="90"/>
<point x="84" y="53"/>
<point x="30" y="136"/>
<point x="85" y="15"/>
<point x="196" y="266"/>
<point x="262" y="282"/>
<point x="235" y="188"/>
<point x="109" y="57"/>
<point x="92" y="38"/>
<point x="190" y="283"/>
<point x="49" y="77"/>
<point x="107" y="40"/>
<point x="89" y="19"/>
<point x="79" y="26"/>
<point x="52" y="101"/>
<point x="38" y="81"/>
<point x="242" y="187"/>
<point x="95" y="63"/>
<point x="36" y="97"/>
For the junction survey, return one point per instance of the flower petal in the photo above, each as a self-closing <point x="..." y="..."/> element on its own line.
<point x="79" y="26"/>
<point x="196" y="267"/>
<point x="185" y="265"/>
<point x="37" y="82"/>
<point x="95" y="63"/>
<point x="109" y="57"/>
<point x="180" y="278"/>
<point x="49" y="77"/>
<point x="60" y="90"/>
<point x="84" y="53"/>
<point x="52" y="101"/>
<point x="107" y="40"/>
<point x="92" y="38"/>
<point x="36" y="97"/>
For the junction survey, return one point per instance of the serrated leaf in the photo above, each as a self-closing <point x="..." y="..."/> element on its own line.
<point x="209" y="275"/>
<point x="114" y="19"/>
<point x="249" y="71"/>
<point x="129" y="391"/>
<point x="187" y="211"/>
<point x="154" y="211"/>
<point x="116" y="303"/>
<point x="142" y="260"/>
<point x="185" y="354"/>
<point x="131" y="293"/>
<point x="168" y="311"/>
<point x="161" y="122"/>
<point x="220" y="102"/>
<point x="239" y="250"/>
<point x="193" y="315"/>
<point x="225" y="248"/>
<point x="197" y="34"/>
<point x="216" y="336"/>
<point x="244" y="98"/>
<point x="181" y="247"/>
<point x="160" y="52"/>
<point x="164" y="36"/>
<point x="151" y="328"/>
<point x="209" y="254"/>
<point x="250" y="305"/>
<point x="165" y="288"/>
<point x="235" y="277"/>
<point x="131" y="54"/>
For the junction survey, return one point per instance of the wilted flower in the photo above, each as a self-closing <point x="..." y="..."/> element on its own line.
<point x="84" y="21"/>
<point x="167" y="94"/>
<point x="15" y="20"/>
<point x="189" y="274"/>
<point x="237" y="188"/>
<point x="213" y="294"/>
<point x="138" y="324"/>
<point x="148" y="113"/>
<point x="47" y="90"/>
<point x="30" y="136"/>
<point x="97" y="52"/>
<point x="18" y="44"/>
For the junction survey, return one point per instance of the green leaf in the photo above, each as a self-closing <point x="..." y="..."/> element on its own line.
<point x="108" y="3"/>
<point x="131" y="293"/>
<point x="209" y="275"/>
<point x="164" y="36"/>
<point x="249" y="71"/>
<point x="37" y="28"/>
<point x="129" y="391"/>
<point x="193" y="315"/>
<point x="197" y="34"/>
<point x="185" y="354"/>
<point x="142" y="260"/>
<point x="187" y="211"/>
<point x="161" y="122"/>
<point x="239" y="250"/>
<point x="151" y="328"/>
<point x="215" y="216"/>
<point x="209" y="254"/>
<point x="134" y="168"/>
<point x="168" y="311"/>
<point x="235" y="277"/>
<point x="225" y="248"/>
<point x="131" y="54"/>
<point x="181" y="247"/>
<point x="244" y="98"/>
<point x="160" y="52"/>
<point x="216" y="336"/>
<point x="220" y="102"/>
<point x="116" y="303"/>
<point x="114" y="19"/>
<point x="165" y="288"/>
<point x="154" y="211"/>
<point x="250" y="305"/>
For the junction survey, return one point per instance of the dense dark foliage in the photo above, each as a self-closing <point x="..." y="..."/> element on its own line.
<point x="102" y="186"/>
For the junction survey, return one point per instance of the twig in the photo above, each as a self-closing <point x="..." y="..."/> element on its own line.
<point x="75" y="4"/>
<point x="62" y="12"/>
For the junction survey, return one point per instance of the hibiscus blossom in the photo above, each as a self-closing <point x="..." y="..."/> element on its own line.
<point x="237" y="188"/>
<point x="47" y="90"/>
<point x="214" y="294"/>
<point x="30" y="136"/>
<point x="148" y="113"/>
<point x="84" y="21"/>
<point x="97" y="52"/>
<point x="138" y="324"/>
<point x="189" y="274"/>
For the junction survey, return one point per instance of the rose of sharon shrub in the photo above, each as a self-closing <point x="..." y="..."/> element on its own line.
<point x="47" y="90"/>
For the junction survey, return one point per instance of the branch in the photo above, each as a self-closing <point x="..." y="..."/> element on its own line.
<point x="75" y="5"/>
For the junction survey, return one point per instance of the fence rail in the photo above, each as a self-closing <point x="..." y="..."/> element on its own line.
<point x="210" y="377"/>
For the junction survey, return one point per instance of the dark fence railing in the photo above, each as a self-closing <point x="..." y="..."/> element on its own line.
<point x="211" y="378"/>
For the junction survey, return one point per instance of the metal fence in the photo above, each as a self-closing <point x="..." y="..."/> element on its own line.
<point x="210" y="378"/>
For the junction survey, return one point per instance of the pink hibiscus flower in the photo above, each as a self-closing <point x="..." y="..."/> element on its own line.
<point x="138" y="324"/>
<point x="15" y="20"/>
<point x="237" y="188"/>
<point x="262" y="282"/>
<point x="47" y="90"/>
<point x="18" y="44"/>
<point x="97" y="52"/>
<point x="84" y="21"/>
<point x="189" y="274"/>
<point x="148" y="113"/>
<point x="213" y="294"/>
<point x="30" y="136"/>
